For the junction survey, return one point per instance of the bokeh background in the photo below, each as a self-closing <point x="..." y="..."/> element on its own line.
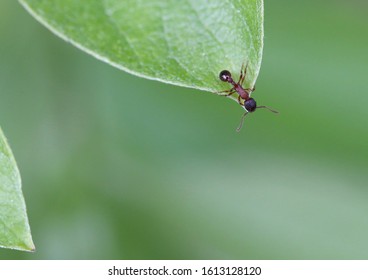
<point x="118" y="167"/>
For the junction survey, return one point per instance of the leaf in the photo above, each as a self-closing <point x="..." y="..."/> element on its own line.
<point x="14" y="228"/>
<point x="185" y="43"/>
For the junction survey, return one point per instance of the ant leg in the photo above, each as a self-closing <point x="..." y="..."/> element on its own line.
<point x="250" y="90"/>
<point x="229" y="92"/>
<point x="241" y="81"/>
<point x="243" y="73"/>
<point x="240" y="103"/>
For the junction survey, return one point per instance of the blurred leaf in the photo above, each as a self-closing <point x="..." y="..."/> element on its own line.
<point x="184" y="43"/>
<point x="14" y="228"/>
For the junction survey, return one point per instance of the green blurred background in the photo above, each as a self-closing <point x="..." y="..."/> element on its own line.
<point x="118" y="167"/>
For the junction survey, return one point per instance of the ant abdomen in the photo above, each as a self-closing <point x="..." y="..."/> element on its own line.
<point x="225" y="75"/>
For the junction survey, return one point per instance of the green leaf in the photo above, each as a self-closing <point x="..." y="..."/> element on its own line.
<point x="184" y="43"/>
<point x="14" y="228"/>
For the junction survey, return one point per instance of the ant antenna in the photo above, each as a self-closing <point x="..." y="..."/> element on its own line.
<point x="268" y="108"/>
<point x="246" y="112"/>
<point x="241" y="122"/>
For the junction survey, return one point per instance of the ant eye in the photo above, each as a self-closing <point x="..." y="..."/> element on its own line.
<point x="225" y="75"/>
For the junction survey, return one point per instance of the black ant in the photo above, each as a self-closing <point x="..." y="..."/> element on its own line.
<point x="244" y="98"/>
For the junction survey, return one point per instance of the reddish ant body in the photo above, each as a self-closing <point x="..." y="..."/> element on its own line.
<point x="244" y="99"/>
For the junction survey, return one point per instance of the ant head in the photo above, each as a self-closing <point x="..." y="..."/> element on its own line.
<point x="250" y="105"/>
<point x="225" y="75"/>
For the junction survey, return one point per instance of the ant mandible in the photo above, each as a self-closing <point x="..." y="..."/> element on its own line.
<point x="244" y="99"/>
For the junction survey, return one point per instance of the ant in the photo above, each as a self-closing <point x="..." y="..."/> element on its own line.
<point x="244" y="99"/>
